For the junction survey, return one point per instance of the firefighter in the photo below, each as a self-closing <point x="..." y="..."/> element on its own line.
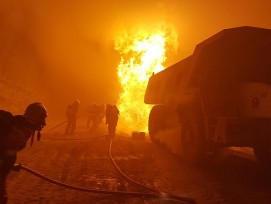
<point x="15" y="132"/>
<point x="71" y="114"/>
<point x="93" y="112"/>
<point x="101" y="114"/>
<point x="112" y="117"/>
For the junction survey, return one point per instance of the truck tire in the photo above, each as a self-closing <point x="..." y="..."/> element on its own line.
<point x="193" y="142"/>
<point x="263" y="156"/>
<point x="156" y="122"/>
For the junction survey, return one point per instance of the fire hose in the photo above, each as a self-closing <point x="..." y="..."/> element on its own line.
<point x="18" y="167"/>
<point x="57" y="126"/>
<point x="155" y="193"/>
<point x="123" y="174"/>
<point x="88" y="138"/>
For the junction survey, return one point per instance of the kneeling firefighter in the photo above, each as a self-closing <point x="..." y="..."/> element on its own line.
<point x="15" y="130"/>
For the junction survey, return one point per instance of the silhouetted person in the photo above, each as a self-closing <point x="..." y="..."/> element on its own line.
<point x="107" y="112"/>
<point x="101" y="114"/>
<point x="71" y="114"/>
<point x="15" y="130"/>
<point x="112" y="117"/>
<point x="93" y="112"/>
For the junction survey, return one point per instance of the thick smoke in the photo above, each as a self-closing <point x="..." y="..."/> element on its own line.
<point x="59" y="50"/>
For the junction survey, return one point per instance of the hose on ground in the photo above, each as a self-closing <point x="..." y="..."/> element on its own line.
<point x="72" y="139"/>
<point x="190" y="200"/>
<point x="123" y="174"/>
<point x="17" y="167"/>
<point x="155" y="193"/>
<point x="57" y="126"/>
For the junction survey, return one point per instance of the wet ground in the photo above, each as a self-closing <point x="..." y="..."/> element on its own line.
<point x="82" y="160"/>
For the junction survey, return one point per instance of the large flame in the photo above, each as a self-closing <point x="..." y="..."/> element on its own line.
<point x="142" y="53"/>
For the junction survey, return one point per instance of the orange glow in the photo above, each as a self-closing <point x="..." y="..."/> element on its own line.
<point x="142" y="53"/>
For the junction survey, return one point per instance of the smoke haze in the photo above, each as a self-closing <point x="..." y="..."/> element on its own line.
<point x="64" y="49"/>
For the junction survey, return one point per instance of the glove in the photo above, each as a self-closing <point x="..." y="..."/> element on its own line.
<point x="17" y="167"/>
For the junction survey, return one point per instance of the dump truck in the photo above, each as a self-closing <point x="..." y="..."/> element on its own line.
<point x="220" y="96"/>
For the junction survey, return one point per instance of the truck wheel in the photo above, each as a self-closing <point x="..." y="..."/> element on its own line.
<point x="263" y="156"/>
<point x="156" y="122"/>
<point x="193" y="143"/>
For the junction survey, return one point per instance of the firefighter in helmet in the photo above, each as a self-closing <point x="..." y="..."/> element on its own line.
<point x="71" y="114"/>
<point x="112" y="117"/>
<point x="15" y="130"/>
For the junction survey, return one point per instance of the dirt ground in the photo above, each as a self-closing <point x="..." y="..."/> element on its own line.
<point x="82" y="160"/>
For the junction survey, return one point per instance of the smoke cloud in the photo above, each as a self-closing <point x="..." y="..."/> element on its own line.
<point x="64" y="49"/>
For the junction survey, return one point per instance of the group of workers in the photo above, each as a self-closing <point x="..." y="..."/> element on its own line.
<point x="16" y="130"/>
<point x="95" y="114"/>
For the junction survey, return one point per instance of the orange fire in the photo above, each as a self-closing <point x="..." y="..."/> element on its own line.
<point x="142" y="53"/>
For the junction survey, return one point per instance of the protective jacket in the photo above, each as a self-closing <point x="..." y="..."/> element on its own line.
<point x="14" y="134"/>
